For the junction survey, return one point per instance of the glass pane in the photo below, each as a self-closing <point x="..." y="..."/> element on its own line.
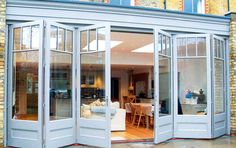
<point x="164" y="44"/>
<point x="188" y="6"/>
<point x="92" y="40"/>
<point x="61" y="39"/>
<point x="101" y="39"/>
<point x="215" y="48"/>
<point x="25" y="86"/>
<point x="60" y="86"/>
<point x="181" y="47"/>
<point x="17" y="32"/>
<point x="218" y="49"/>
<point x="164" y="86"/>
<point x="35" y="37"/>
<point x="219" y="87"/>
<point x="168" y="46"/>
<point x="69" y="41"/>
<point x="160" y="45"/>
<point x="191" y="46"/>
<point x="192" y="86"/>
<point x="201" y="46"/>
<point x="83" y="41"/>
<point x="93" y="86"/>
<point x="53" y="38"/>
<point x="115" y="2"/>
<point x="196" y="3"/>
<point x="26" y="37"/>
<point x="221" y="49"/>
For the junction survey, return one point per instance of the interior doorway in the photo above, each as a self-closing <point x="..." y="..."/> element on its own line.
<point x="115" y="89"/>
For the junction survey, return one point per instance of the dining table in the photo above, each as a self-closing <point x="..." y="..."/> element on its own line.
<point x="147" y="109"/>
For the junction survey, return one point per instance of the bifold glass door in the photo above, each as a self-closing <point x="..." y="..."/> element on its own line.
<point x="25" y="89"/>
<point x="46" y="71"/>
<point x="193" y="86"/>
<point x="59" y="85"/>
<point x="163" y="112"/>
<point x="219" y="86"/>
<point x="200" y="99"/>
<point x="93" y="60"/>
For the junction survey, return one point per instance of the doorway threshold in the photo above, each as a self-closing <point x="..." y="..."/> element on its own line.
<point x="131" y="140"/>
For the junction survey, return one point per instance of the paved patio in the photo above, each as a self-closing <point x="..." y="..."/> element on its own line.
<point x="222" y="142"/>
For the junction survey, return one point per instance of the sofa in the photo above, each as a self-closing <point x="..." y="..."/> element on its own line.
<point x="118" y="120"/>
<point x="96" y="110"/>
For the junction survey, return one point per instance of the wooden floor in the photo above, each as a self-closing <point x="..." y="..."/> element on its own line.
<point x="132" y="133"/>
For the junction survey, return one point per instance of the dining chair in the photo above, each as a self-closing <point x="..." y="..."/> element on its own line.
<point x="132" y="109"/>
<point x="138" y="112"/>
<point x="132" y="99"/>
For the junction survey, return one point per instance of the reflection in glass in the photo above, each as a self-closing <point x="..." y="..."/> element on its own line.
<point x="17" y="33"/>
<point x="164" y="44"/>
<point x="92" y="40"/>
<point x="160" y="45"/>
<point x="168" y="46"/>
<point x="221" y="48"/>
<point x="69" y="41"/>
<point x="83" y="41"/>
<point x="53" y="38"/>
<point x="25" y="85"/>
<point x="181" y="46"/>
<point x="201" y="46"/>
<point x="164" y="85"/>
<point x="219" y="86"/>
<point x="35" y="37"/>
<point x="26" y="38"/>
<point x="60" y="86"/>
<point x="191" y="46"/>
<point x="215" y="48"/>
<point x="61" y="39"/>
<point x="93" y="86"/>
<point x="192" y="84"/>
<point x="101" y="39"/>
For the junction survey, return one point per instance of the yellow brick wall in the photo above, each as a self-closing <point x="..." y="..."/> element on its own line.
<point x="174" y="5"/>
<point x="2" y="46"/>
<point x="218" y="7"/>
<point x="233" y="5"/>
<point x="170" y="4"/>
<point x="233" y="72"/>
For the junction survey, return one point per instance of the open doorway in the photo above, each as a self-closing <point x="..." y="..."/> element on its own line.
<point x="115" y="89"/>
<point x="132" y="63"/>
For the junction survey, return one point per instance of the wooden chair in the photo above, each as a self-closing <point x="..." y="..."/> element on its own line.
<point x="132" y="99"/>
<point x="132" y="109"/>
<point x="138" y="112"/>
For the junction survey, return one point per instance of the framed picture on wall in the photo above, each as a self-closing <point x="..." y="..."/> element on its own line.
<point x="90" y="80"/>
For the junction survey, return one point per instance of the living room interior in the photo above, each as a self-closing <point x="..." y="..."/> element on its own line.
<point x="132" y="85"/>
